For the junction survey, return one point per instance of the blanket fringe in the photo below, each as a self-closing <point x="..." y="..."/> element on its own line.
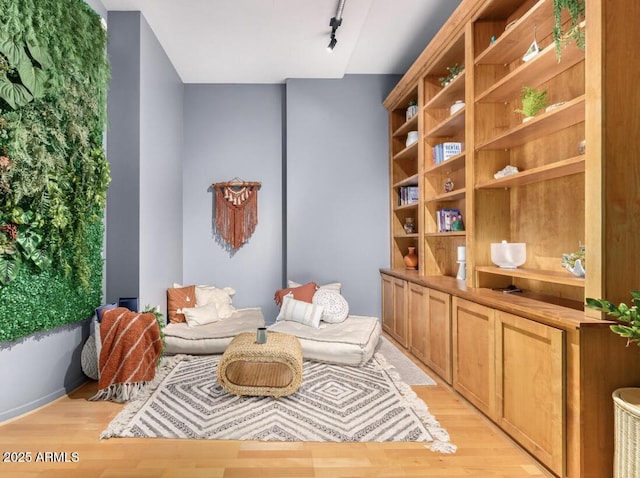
<point x="440" y="436"/>
<point x="120" y="392"/>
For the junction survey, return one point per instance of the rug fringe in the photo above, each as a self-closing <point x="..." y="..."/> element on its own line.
<point x="128" y="412"/>
<point x="441" y="437"/>
<point x="442" y="447"/>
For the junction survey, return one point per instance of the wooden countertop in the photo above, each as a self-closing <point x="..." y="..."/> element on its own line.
<point x="561" y="314"/>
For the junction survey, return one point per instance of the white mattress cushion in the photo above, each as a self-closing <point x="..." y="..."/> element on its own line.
<point x="351" y="342"/>
<point x="212" y="338"/>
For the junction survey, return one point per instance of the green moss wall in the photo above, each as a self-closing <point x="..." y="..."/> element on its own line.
<point x="53" y="172"/>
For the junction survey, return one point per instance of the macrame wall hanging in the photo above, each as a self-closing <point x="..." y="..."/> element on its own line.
<point x="236" y="215"/>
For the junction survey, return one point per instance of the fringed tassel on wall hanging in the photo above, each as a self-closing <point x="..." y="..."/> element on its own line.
<point x="236" y="215"/>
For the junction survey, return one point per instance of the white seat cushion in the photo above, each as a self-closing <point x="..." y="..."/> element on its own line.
<point x="211" y="338"/>
<point x="351" y="342"/>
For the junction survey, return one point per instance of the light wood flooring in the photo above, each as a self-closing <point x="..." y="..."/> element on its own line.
<point x="72" y="425"/>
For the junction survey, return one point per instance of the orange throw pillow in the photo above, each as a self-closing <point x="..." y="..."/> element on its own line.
<point x="177" y="299"/>
<point x="304" y="293"/>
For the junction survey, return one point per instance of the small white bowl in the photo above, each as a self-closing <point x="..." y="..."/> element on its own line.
<point x="508" y="255"/>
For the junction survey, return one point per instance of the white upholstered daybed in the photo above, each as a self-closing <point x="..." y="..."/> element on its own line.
<point x="351" y="342"/>
<point x="181" y="338"/>
<point x="338" y="338"/>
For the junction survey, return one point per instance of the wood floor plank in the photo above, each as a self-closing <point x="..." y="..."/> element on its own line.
<point x="73" y="424"/>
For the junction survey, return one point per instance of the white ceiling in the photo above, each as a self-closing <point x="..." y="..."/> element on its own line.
<point x="269" y="41"/>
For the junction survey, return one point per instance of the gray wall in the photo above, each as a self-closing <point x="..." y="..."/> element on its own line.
<point x="337" y="185"/>
<point x="144" y="148"/>
<point x="161" y="155"/>
<point x="123" y="153"/>
<point x="233" y="131"/>
<point x="40" y="368"/>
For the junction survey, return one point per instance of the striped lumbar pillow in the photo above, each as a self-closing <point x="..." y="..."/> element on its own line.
<point x="299" y="311"/>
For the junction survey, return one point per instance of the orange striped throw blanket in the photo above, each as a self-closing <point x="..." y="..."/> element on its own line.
<point x="131" y="347"/>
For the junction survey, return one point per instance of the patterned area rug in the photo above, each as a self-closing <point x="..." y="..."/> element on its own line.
<point x="334" y="404"/>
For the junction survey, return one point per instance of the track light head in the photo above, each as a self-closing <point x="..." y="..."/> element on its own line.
<point x="332" y="43"/>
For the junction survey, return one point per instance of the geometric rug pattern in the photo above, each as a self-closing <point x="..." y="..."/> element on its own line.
<point x="335" y="403"/>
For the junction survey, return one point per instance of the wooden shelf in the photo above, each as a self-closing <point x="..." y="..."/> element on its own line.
<point x="515" y="41"/>
<point x="448" y="95"/>
<point x="408" y="152"/>
<point x="406" y="207"/>
<point x="555" y="170"/>
<point x="572" y="112"/>
<point x="533" y="73"/>
<point x="411" y="125"/>
<point x="452" y="164"/>
<point x="446" y="234"/>
<point x="449" y="127"/>
<point x="410" y="181"/>
<point x="406" y="236"/>
<point x="450" y="196"/>
<point x="554" y="277"/>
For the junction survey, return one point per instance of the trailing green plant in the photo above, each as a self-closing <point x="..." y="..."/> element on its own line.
<point x="576" y="9"/>
<point x="454" y="71"/>
<point x="628" y="317"/>
<point x="54" y="174"/>
<point x="532" y="101"/>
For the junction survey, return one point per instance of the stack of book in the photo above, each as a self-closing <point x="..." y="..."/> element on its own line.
<point x="408" y="195"/>
<point x="444" y="151"/>
<point x="449" y="220"/>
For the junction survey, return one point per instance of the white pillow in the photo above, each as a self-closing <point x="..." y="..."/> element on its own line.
<point x="334" y="305"/>
<point x="208" y="294"/>
<point x="300" y="311"/>
<point x="205" y="314"/>
<point x="337" y="286"/>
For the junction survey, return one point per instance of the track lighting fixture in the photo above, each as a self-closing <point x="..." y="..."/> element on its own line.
<point x="334" y="24"/>
<point x="332" y="43"/>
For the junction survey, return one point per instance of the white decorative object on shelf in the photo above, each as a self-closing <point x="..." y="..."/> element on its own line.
<point x="506" y="171"/>
<point x="574" y="262"/>
<point x="554" y="106"/>
<point x="462" y="261"/>
<point x="412" y="110"/>
<point x="582" y="147"/>
<point x="412" y="137"/>
<point x="457" y="106"/>
<point x="508" y="255"/>
<point x="532" y="51"/>
<point x="577" y="269"/>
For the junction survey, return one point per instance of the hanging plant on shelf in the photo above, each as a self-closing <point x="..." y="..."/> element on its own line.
<point x="454" y="71"/>
<point x="532" y="101"/>
<point x="576" y="9"/>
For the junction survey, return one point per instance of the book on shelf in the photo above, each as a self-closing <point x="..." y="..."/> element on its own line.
<point x="444" y="151"/>
<point x="408" y="195"/>
<point x="449" y="220"/>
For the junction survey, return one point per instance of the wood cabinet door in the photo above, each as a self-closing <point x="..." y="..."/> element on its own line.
<point x="530" y="386"/>
<point x="400" y="322"/>
<point x="474" y="354"/>
<point x="387" y="303"/>
<point x="417" y="297"/>
<point x="438" y="334"/>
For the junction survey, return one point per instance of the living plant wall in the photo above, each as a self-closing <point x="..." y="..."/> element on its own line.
<point x="54" y="76"/>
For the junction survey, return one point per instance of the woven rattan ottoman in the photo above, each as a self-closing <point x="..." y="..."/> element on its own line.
<point x="270" y="369"/>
